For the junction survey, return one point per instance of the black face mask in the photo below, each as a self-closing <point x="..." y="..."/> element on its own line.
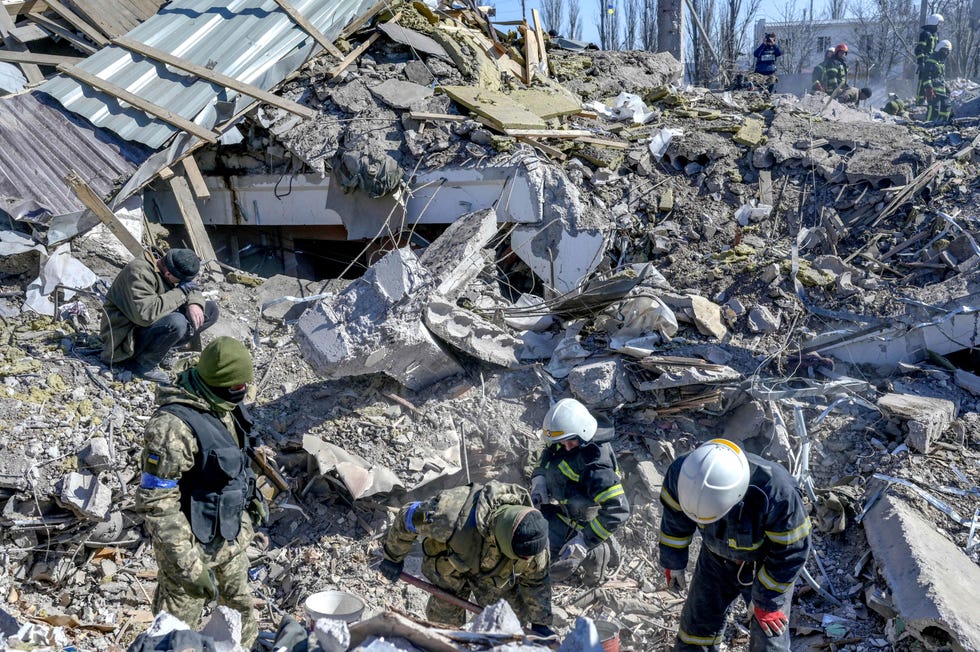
<point x="229" y="394"/>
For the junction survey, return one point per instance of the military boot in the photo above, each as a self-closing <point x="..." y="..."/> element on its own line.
<point x="601" y="562"/>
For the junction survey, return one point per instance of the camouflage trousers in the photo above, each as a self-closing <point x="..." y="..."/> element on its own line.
<point x="480" y="590"/>
<point x="230" y="566"/>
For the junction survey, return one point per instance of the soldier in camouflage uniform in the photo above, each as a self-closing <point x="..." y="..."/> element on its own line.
<point x="486" y="541"/>
<point x="197" y="493"/>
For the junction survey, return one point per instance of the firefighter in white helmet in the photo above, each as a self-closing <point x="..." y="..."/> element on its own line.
<point x="924" y="47"/>
<point x="755" y="539"/>
<point x="577" y="487"/>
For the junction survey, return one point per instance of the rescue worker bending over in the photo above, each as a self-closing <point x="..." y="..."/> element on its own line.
<point x="934" y="84"/>
<point x="894" y="106"/>
<point x="486" y="541"/>
<point x="577" y="487"/>
<point x="924" y="47"/>
<point x="755" y="539"/>
<point x="197" y="493"/>
<point x="816" y="77"/>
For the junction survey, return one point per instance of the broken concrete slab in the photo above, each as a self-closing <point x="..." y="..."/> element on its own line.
<point x="601" y="384"/>
<point x="83" y="494"/>
<point x="455" y="258"/>
<point x="925" y="418"/>
<point x="375" y="325"/>
<point x="561" y="259"/>
<point x="704" y="314"/>
<point x="750" y="133"/>
<point x="761" y="320"/>
<point x="96" y="454"/>
<point x="471" y="334"/>
<point x="935" y="587"/>
<point x="498" y="108"/>
<point x="360" y="477"/>
<point x="400" y="94"/>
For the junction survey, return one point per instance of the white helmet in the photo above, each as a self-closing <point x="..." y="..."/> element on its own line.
<point x="568" y="418"/>
<point x="831" y="51"/>
<point x="944" y="45"/>
<point x="713" y="479"/>
<point x="934" y="19"/>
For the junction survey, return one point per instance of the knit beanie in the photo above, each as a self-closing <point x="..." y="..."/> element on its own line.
<point x="521" y="531"/>
<point x="225" y="362"/>
<point x="182" y="263"/>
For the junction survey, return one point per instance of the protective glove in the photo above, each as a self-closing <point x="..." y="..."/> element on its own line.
<point x="204" y="586"/>
<point x="773" y="623"/>
<point x="574" y="549"/>
<point x="258" y="509"/>
<point x="539" y="490"/>
<point x="391" y="569"/>
<point x="188" y="286"/>
<point x="676" y="579"/>
<point x="542" y="630"/>
<point x="818" y="87"/>
<point x="930" y="93"/>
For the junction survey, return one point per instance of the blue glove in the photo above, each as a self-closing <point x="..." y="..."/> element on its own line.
<point x="189" y="286"/>
<point x="543" y="631"/>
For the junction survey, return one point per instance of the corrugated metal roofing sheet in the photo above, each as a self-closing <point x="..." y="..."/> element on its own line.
<point x="251" y="40"/>
<point x="41" y="144"/>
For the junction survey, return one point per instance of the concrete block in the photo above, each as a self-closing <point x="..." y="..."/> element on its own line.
<point x="400" y="94"/>
<point x="750" y="133"/>
<point x="926" y="418"/>
<point x="704" y="314"/>
<point x="601" y="384"/>
<point x="498" y="618"/>
<point x="935" y="587"/>
<point x="83" y="494"/>
<point x="761" y="320"/>
<point x="966" y="380"/>
<point x="95" y="455"/>
<point x="375" y="325"/>
<point x="225" y="627"/>
<point x="471" y="334"/>
<point x="650" y="478"/>
<point x="454" y="258"/>
<point x="558" y="256"/>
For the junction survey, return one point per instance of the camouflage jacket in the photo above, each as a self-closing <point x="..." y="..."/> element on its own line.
<point x="456" y="526"/>
<point x="138" y="297"/>
<point x="169" y="451"/>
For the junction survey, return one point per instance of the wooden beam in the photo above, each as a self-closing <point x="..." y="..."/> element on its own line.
<point x="530" y="53"/>
<point x="539" y="35"/>
<point x="95" y="204"/>
<point x="358" y="51"/>
<point x="193" y="174"/>
<point x="72" y="19"/>
<point x="554" y="153"/>
<point x="309" y="28"/>
<point x="166" y="174"/>
<point x="603" y="142"/>
<point x="31" y="71"/>
<point x="215" y="77"/>
<point x="439" y="117"/>
<point x="363" y="19"/>
<point x="549" y="133"/>
<point x="39" y="59"/>
<point x="23" y="6"/>
<point x="192" y="220"/>
<point x="81" y="45"/>
<point x="138" y="102"/>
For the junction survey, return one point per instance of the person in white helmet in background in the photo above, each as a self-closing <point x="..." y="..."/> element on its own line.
<point x="924" y="47"/>
<point x="577" y="487"/>
<point x="755" y="539"/>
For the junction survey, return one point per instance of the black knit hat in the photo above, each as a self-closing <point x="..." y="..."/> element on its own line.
<point x="182" y="263"/>
<point x="531" y="535"/>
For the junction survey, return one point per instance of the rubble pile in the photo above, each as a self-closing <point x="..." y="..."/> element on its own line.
<point x="788" y="273"/>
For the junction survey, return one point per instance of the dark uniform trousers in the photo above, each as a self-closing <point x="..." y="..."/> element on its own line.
<point x="716" y="584"/>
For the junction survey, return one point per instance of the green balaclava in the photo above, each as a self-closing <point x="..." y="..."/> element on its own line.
<point x="223" y="369"/>
<point x="521" y="531"/>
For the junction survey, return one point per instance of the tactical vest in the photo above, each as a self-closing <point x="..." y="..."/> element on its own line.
<point x="215" y="492"/>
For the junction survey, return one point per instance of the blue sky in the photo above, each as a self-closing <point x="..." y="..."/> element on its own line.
<point x="771" y="10"/>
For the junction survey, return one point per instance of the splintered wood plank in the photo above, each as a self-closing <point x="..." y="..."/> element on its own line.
<point x="40" y="59"/>
<point x="603" y="142"/>
<point x="72" y="19"/>
<point x="144" y="105"/>
<point x="194" y="175"/>
<point x="192" y="220"/>
<point x="530" y="54"/>
<point x="30" y="70"/>
<point x="577" y="134"/>
<point x="79" y="44"/>
<point x="309" y="28"/>
<point x="499" y="109"/>
<point x="215" y="77"/>
<point x="539" y="35"/>
<point x="94" y="203"/>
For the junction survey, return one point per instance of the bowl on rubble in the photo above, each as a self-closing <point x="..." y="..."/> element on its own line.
<point x="336" y="605"/>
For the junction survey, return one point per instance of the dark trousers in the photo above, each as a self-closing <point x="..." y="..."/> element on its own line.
<point x="713" y="589"/>
<point x="152" y="343"/>
<point x="559" y="532"/>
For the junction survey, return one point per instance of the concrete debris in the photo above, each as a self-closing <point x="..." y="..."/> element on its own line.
<point x="934" y="588"/>
<point x="455" y="258"/>
<point x="359" y="477"/>
<point x="701" y="312"/>
<point x="497" y="618"/>
<point x="602" y="384"/>
<point x="761" y="320"/>
<point x="925" y="419"/>
<point x="471" y="334"/>
<point x="96" y="455"/>
<point x="85" y="495"/>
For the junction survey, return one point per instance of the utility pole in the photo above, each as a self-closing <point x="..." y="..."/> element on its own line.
<point x="923" y="10"/>
<point x="671" y="35"/>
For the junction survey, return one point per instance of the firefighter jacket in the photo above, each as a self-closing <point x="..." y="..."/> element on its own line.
<point x="138" y="297"/>
<point x="926" y="45"/>
<point x="586" y="482"/>
<point x="196" y="480"/>
<point x="765" y="58"/>
<point x="768" y="528"/>
<point x="457" y="531"/>
<point x="934" y="75"/>
<point x="834" y="75"/>
<point x="817" y="76"/>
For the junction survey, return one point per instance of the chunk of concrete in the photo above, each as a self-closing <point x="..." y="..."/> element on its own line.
<point x="375" y="325"/>
<point x="498" y="618"/>
<point x="472" y="334"/>
<point x="704" y="314"/>
<point x="601" y="384"/>
<point x="750" y="133"/>
<point x="332" y="635"/>
<point x="926" y="418"/>
<point x="95" y="455"/>
<point x="934" y="586"/>
<point x="761" y="320"/>
<point x="560" y="258"/>
<point x="225" y="627"/>
<point x="454" y="258"/>
<point x="83" y="494"/>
